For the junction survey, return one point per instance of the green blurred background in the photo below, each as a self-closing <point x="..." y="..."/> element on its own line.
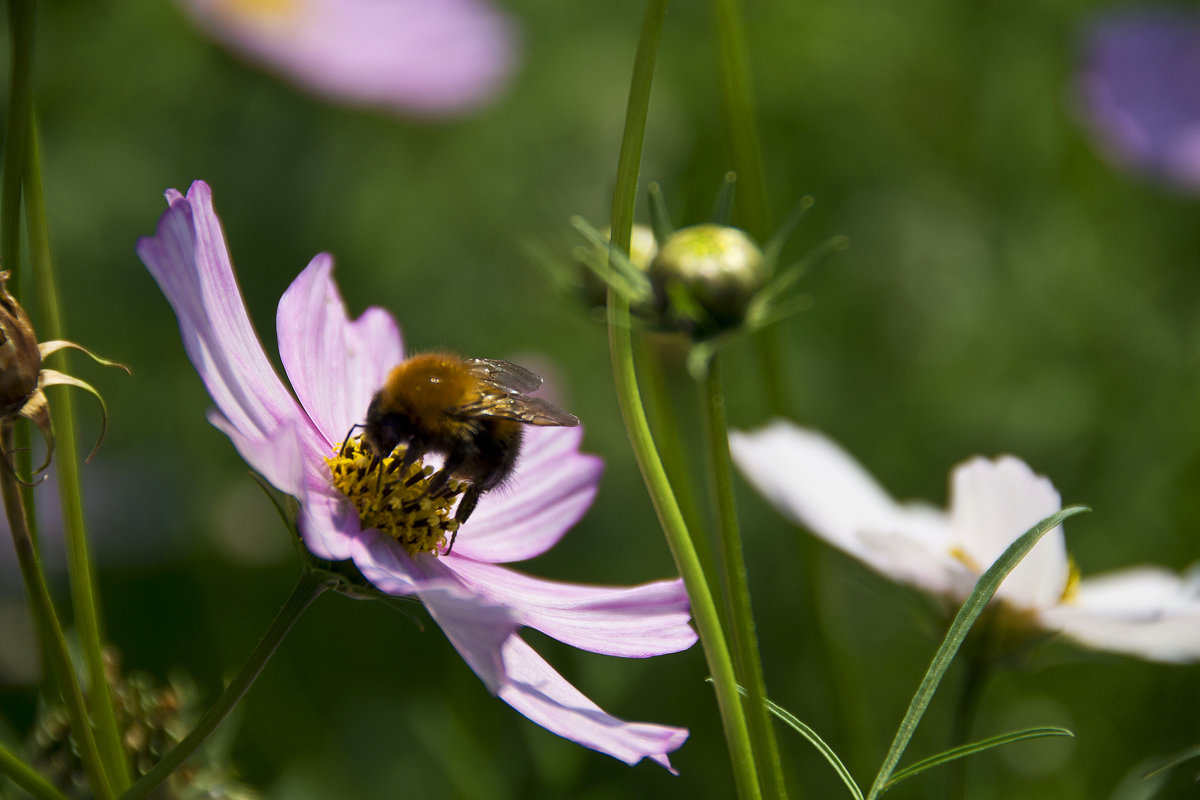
<point x="1005" y="291"/>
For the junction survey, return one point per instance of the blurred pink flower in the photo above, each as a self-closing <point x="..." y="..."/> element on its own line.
<point x="1138" y="89"/>
<point x="1147" y="612"/>
<point x="422" y="56"/>
<point x="334" y="365"/>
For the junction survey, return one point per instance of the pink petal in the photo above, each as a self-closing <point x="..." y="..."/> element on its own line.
<point x="816" y="483"/>
<point x="328" y="522"/>
<point x="483" y="633"/>
<point x="537" y="691"/>
<point x="994" y="502"/>
<point x="335" y="365"/>
<point x="633" y="622"/>
<point x="546" y="496"/>
<point x="278" y="457"/>
<point x="429" y="56"/>
<point x="188" y="258"/>
<point x="474" y="625"/>
<point x="1148" y="612"/>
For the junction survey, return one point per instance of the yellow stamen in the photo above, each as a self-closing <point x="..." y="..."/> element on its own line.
<point x="963" y="556"/>
<point x="398" y="506"/>
<point x="1072" y="587"/>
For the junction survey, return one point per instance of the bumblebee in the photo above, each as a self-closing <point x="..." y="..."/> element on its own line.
<point x="472" y="411"/>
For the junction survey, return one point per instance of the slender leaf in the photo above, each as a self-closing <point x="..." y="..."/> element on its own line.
<point x="792" y="721"/>
<point x="1173" y="762"/>
<point x="985" y="589"/>
<point x="962" y="751"/>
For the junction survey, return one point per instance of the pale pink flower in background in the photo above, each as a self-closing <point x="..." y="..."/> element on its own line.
<point x="335" y="365"/>
<point x="421" y="56"/>
<point x="1146" y="611"/>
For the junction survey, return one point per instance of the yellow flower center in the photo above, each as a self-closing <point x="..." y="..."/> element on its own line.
<point x="260" y="11"/>
<point x="399" y="506"/>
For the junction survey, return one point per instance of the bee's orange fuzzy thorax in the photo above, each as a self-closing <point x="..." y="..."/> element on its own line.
<point x="424" y="386"/>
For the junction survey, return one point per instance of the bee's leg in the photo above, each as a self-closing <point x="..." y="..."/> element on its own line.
<point x="465" y="507"/>
<point x="468" y="502"/>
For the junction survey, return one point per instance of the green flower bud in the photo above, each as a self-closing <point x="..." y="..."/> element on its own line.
<point x="719" y="270"/>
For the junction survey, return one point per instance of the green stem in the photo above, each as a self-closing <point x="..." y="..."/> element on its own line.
<point x="27" y="778"/>
<point x="741" y="123"/>
<point x="308" y="588"/>
<point x="651" y="363"/>
<point x="704" y="611"/>
<point x="85" y="598"/>
<point x="20" y="100"/>
<point x="736" y="583"/>
<point x="975" y="679"/>
<point x="49" y="630"/>
<point x="741" y="118"/>
<point x="20" y="89"/>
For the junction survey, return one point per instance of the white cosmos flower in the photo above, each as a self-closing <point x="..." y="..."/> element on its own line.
<point x="1146" y="611"/>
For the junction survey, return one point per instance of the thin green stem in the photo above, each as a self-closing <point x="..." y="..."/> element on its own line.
<point x="49" y="629"/>
<point x="27" y="778"/>
<point x="978" y="669"/>
<point x="741" y="118"/>
<point x="704" y="611"/>
<point x="741" y="124"/>
<point x="85" y="597"/>
<point x="20" y="100"/>
<point x="308" y="588"/>
<point x="20" y="90"/>
<point x="737" y="584"/>
<point x="651" y="363"/>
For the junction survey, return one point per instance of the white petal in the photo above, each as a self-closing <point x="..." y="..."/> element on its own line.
<point x="1147" y="612"/>
<point x="816" y="483"/>
<point x="994" y="502"/>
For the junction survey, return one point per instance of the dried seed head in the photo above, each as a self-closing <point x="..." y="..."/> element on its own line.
<point x="20" y="359"/>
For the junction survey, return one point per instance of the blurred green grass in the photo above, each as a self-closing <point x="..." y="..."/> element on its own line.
<point x="1005" y="291"/>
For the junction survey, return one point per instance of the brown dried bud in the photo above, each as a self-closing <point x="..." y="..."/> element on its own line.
<point x="20" y="359"/>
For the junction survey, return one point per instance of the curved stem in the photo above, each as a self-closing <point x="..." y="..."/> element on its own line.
<point x="737" y="586"/>
<point x="704" y="610"/>
<point x="48" y="627"/>
<point x="308" y="588"/>
<point x="85" y="597"/>
<point x="27" y="778"/>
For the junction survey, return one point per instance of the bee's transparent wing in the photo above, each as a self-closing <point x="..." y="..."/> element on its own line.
<point x="519" y="407"/>
<point x="504" y="374"/>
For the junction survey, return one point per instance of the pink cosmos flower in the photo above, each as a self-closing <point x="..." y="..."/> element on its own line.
<point x="335" y="365"/>
<point x="424" y="56"/>
<point x="1146" y="611"/>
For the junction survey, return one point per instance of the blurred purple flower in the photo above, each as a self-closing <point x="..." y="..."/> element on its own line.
<point x="335" y="364"/>
<point x="1139" y="91"/>
<point x="424" y="56"/>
